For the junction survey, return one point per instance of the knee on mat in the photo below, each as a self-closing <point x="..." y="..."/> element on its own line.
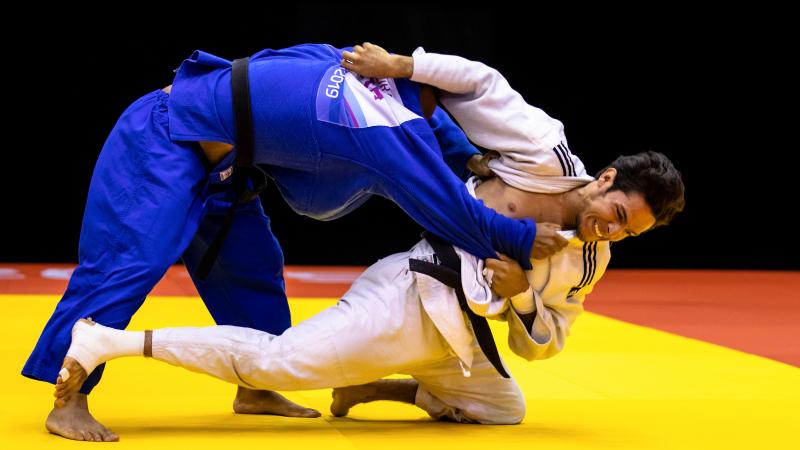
<point x="509" y="411"/>
<point x="513" y="415"/>
<point x="505" y="416"/>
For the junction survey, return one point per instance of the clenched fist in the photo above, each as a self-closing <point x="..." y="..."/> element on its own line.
<point x="508" y="278"/>
<point x="547" y="241"/>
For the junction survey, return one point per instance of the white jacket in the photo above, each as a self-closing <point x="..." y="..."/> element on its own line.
<point x="535" y="158"/>
<point x="559" y="285"/>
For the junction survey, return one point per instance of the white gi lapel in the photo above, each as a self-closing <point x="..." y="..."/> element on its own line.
<point x="477" y="290"/>
<point x="441" y="305"/>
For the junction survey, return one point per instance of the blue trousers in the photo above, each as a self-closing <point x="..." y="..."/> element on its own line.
<point x="151" y="202"/>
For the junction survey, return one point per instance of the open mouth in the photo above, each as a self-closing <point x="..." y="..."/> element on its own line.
<point x="597" y="229"/>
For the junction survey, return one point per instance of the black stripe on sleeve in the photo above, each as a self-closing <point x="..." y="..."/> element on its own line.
<point x="560" y="161"/>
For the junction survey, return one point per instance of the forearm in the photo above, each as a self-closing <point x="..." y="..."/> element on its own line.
<point x="542" y="332"/>
<point x="428" y="191"/>
<point x="448" y="210"/>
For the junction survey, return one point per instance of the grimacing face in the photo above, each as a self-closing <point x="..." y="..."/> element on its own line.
<point x="613" y="216"/>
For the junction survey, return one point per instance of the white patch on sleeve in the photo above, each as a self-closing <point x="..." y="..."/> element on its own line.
<point x="345" y="98"/>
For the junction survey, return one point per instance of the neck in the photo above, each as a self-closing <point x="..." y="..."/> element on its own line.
<point x="572" y="205"/>
<point x="561" y="209"/>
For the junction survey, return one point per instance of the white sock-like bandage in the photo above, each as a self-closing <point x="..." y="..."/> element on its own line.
<point x="523" y="303"/>
<point x="95" y="344"/>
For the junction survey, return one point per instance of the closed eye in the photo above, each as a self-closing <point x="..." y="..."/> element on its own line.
<point x="623" y="218"/>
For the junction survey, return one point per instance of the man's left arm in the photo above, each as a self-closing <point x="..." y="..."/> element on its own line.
<point x="542" y="333"/>
<point x="538" y="327"/>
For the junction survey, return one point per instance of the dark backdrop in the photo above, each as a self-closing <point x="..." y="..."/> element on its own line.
<point x="706" y="89"/>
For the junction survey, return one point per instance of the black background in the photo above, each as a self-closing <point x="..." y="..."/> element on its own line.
<point x="713" y="90"/>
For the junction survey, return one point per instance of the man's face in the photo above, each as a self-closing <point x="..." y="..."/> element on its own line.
<point x="613" y="216"/>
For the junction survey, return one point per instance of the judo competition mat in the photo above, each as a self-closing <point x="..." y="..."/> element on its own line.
<point x="660" y="360"/>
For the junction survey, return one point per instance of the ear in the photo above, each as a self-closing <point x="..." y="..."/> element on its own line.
<point x="606" y="179"/>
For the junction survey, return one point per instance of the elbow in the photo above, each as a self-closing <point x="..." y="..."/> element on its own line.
<point x="539" y="352"/>
<point x="487" y="79"/>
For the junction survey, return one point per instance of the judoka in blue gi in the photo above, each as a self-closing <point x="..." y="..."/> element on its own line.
<point x="326" y="137"/>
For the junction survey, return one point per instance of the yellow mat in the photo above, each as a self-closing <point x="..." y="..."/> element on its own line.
<point x="616" y="386"/>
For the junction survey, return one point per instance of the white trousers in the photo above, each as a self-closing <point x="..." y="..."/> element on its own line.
<point x="377" y="329"/>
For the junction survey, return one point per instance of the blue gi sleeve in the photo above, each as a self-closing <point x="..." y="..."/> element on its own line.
<point x="456" y="148"/>
<point x="419" y="181"/>
<point x="407" y="163"/>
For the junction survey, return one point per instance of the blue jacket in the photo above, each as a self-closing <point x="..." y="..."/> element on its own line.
<point x="329" y="139"/>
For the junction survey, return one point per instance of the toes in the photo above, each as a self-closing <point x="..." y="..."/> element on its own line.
<point x="311" y="413"/>
<point x="110" y="436"/>
<point x="301" y="413"/>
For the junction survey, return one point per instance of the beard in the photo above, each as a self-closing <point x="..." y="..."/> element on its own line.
<point x="580" y="229"/>
<point x="584" y="229"/>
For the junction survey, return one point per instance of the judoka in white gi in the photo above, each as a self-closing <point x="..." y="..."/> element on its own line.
<point x="395" y="321"/>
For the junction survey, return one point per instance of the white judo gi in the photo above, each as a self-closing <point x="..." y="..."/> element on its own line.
<point x="393" y="320"/>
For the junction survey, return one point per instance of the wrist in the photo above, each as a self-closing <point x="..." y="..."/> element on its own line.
<point x="403" y="65"/>
<point x="523" y="302"/>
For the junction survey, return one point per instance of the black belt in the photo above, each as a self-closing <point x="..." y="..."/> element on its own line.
<point x="449" y="274"/>
<point x="248" y="180"/>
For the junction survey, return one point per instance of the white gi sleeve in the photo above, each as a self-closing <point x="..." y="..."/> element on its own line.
<point x="492" y="114"/>
<point x="550" y="327"/>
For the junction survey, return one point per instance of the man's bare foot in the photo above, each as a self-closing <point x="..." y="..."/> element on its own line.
<point x="398" y="390"/>
<point x="73" y="421"/>
<point x="72" y="374"/>
<point x="267" y="402"/>
<point x="346" y="397"/>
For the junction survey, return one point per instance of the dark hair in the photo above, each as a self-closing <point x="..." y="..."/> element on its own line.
<point x="654" y="176"/>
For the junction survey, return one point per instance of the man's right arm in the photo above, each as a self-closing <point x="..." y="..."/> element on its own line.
<point x="492" y="114"/>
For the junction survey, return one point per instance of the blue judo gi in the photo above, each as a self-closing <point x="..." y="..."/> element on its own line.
<point x="326" y="137"/>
